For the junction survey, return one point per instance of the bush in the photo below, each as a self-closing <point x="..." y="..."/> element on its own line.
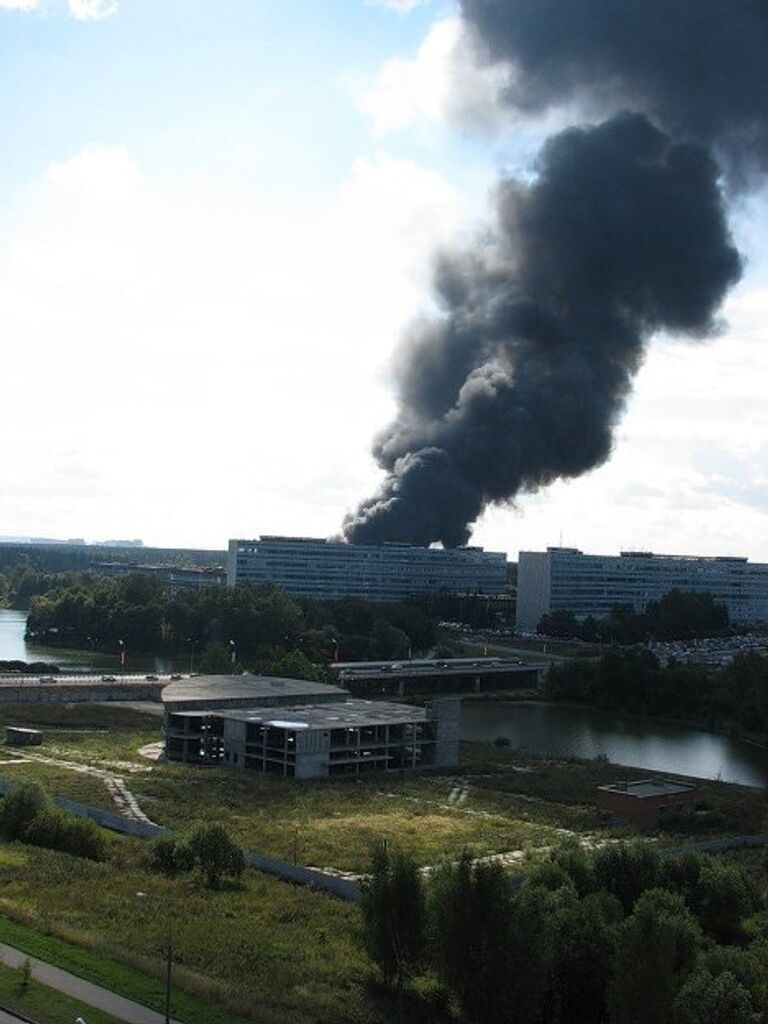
<point x="171" y="855"/>
<point x="27" y="814"/>
<point x="58" y="830"/>
<point x="25" y="976"/>
<point x="20" y="807"/>
<point x="216" y="853"/>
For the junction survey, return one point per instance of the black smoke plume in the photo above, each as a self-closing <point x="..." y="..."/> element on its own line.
<point x="699" y="68"/>
<point x="522" y="376"/>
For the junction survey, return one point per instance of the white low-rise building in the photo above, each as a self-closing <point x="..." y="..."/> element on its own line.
<point x="328" y="569"/>
<point x="565" y="579"/>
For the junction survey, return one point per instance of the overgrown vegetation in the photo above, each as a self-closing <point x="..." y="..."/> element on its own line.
<point x="634" y="680"/>
<point x="27" y="814"/>
<point x="622" y="936"/>
<point x="263" y="950"/>
<point x="209" y="847"/>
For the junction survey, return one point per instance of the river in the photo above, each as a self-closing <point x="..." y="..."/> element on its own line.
<point x="535" y="728"/>
<point x="659" y="746"/>
<point x="14" y="647"/>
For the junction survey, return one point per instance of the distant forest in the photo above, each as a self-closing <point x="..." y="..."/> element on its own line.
<point x="262" y="625"/>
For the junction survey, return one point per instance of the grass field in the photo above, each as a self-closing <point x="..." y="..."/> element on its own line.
<point x="265" y="950"/>
<point x="268" y="951"/>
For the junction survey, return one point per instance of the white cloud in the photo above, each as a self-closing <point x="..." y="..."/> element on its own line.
<point x="203" y="363"/>
<point x="401" y="6"/>
<point x="96" y="174"/>
<point x="441" y="82"/>
<point x="92" y="10"/>
<point x="80" y="10"/>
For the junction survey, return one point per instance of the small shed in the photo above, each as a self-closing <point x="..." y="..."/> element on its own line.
<point x="646" y="803"/>
<point x="16" y="736"/>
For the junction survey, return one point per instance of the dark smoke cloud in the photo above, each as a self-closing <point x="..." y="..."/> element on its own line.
<point x="699" y="68"/>
<point x="521" y="378"/>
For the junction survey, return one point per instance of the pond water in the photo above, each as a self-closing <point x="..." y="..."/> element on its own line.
<point x="660" y="746"/>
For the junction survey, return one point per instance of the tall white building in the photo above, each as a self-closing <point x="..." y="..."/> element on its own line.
<point x="565" y="579"/>
<point x="327" y="569"/>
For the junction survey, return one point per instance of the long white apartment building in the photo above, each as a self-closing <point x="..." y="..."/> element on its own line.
<point x="328" y="569"/>
<point x="565" y="579"/>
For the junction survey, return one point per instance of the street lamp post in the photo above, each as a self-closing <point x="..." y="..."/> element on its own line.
<point x="168" y="961"/>
<point x="91" y="640"/>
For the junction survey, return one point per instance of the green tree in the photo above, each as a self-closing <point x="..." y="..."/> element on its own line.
<point x="294" y="665"/>
<point x="583" y="950"/>
<point x="394" y="915"/>
<point x="626" y="870"/>
<point x="716" y="891"/>
<point x="656" y="950"/>
<point x="722" y="899"/>
<point x="529" y="953"/>
<point x="216" y="853"/>
<point x="708" y="999"/>
<point x="471" y="918"/>
<point x="216" y="660"/>
<point x="387" y="641"/>
<point x="574" y="860"/>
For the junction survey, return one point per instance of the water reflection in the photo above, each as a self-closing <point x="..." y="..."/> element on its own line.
<point x="13" y="647"/>
<point x="639" y="742"/>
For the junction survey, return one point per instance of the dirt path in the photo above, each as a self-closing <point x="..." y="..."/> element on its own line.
<point x="123" y="798"/>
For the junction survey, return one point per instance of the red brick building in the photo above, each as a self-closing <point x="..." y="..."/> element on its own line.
<point x="646" y="803"/>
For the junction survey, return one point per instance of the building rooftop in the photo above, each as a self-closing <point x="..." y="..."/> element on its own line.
<point x="644" y="788"/>
<point x="348" y="714"/>
<point x="244" y="687"/>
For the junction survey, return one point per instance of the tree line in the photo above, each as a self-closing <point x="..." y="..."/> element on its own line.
<point x="261" y="624"/>
<point x="678" y="615"/>
<point x="621" y="936"/>
<point x="635" y="681"/>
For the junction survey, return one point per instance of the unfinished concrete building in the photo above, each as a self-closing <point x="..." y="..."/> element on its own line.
<point x="267" y="725"/>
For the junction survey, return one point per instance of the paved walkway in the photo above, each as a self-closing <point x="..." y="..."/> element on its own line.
<point x="93" y="995"/>
<point x="9" y="1018"/>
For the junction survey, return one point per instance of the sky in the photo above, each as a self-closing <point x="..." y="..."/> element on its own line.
<point x="216" y="221"/>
